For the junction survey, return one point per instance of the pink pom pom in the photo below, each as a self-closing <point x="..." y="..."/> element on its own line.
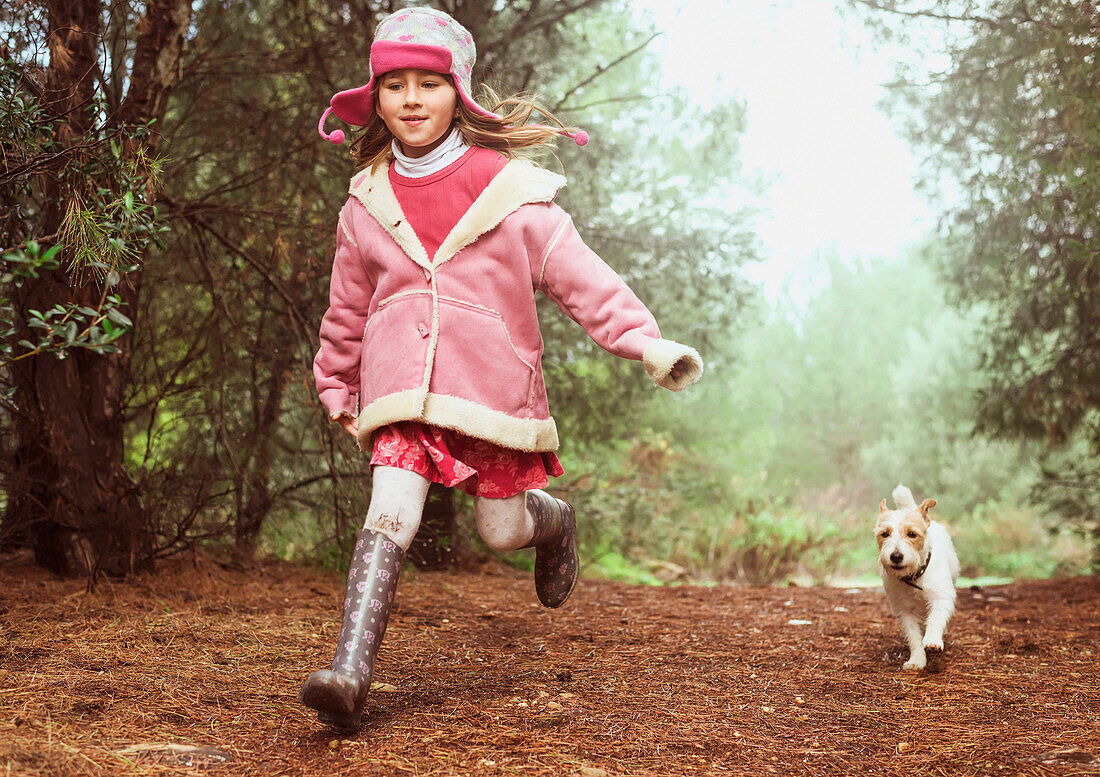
<point x="336" y="137"/>
<point x="581" y="138"/>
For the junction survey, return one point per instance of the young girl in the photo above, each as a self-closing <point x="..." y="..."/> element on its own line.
<point x="430" y="349"/>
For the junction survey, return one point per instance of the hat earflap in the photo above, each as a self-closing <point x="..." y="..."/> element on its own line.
<point x="336" y="137"/>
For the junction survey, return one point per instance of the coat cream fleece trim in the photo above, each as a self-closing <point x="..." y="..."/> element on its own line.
<point x="374" y="192"/>
<point x="518" y="183"/>
<point x="400" y="406"/>
<point x="659" y="358"/>
<point x="462" y="415"/>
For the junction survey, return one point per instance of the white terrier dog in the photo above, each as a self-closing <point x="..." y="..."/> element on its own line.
<point x="919" y="568"/>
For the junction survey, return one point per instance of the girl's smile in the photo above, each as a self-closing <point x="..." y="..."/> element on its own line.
<point x="418" y="107"/>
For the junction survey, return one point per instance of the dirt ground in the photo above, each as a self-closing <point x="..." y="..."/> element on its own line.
<point x="196" y="670"/>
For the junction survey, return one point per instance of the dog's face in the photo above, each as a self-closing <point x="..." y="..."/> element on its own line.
<point x="900" y="537"/>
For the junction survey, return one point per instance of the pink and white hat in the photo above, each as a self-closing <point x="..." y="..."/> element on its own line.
<point x="421" y="38"/>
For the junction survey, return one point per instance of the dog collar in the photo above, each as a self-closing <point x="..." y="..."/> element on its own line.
<point x="908" y="579"/>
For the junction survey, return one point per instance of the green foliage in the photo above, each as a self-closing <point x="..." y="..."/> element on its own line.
<point x="1014" y="118"/>
<point x="107" y="224"/>
<point x="66" y="325"/>
<point x="773" y="471"/>
<point x="656" y="512"/>
<point x="611" y="565"/>
<point x="770" y="546"/>
<point x="109" y="234"/>
<point x="1003" y="540"/>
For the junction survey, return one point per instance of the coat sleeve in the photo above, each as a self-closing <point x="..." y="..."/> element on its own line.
<point x="593" y="295"/>
<point x="336" y="365"/>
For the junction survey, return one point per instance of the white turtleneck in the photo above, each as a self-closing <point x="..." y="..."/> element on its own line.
<point x="452" y="147"/>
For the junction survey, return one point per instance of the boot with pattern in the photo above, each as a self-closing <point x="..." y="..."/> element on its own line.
<point x="338" y="694"/>
<point x="555" y="544"/>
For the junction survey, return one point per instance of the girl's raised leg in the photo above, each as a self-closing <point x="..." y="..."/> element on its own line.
<point x="535" y="519"/>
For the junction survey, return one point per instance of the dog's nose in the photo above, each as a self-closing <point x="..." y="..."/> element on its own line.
<point x="896" y="557"/>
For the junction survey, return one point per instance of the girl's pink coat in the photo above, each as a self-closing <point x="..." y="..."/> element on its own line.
<point x="455" y="342"/>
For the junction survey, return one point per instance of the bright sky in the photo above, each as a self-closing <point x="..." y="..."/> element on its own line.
<point x="840" y="177"/>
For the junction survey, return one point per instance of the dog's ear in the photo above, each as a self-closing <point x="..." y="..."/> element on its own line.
<point x="925" y="506"/>
<point x="883" y="510"/>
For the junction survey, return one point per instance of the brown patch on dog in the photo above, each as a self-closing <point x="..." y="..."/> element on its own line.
<point x="911" y="526"/>
<point x="882" y="531"/>
<point x="912" y="530"/>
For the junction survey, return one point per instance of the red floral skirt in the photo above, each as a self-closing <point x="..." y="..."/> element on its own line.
<point x="478" y="467"/>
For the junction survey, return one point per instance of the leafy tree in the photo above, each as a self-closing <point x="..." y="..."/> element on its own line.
<point x="1014" y="116"/>
<point x="83" y="82"/>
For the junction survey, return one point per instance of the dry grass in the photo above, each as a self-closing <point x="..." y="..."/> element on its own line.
<point x="623" y="681"/>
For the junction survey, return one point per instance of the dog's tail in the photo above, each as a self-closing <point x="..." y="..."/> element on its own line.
<point x="903" y="498"/>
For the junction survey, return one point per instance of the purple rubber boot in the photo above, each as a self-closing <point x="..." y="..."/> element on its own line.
<point x="338" y="694"/>
<point x="555" y="544"/>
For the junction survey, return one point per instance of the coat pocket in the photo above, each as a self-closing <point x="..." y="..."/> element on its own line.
<point x="395" y="347"/>
<point x="478" y="359"/>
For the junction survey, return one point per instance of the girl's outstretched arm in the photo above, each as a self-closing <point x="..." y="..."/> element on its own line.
<point x="593" y="295"/>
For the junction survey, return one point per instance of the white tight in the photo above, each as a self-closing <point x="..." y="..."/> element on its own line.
<point x="504" y="524"/>
<point x="397" y="502"/>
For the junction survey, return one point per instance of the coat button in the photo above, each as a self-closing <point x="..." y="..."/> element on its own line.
<point x="423" y="329"/>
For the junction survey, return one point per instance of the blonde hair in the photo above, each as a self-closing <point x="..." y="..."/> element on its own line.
<point x="509" y="135"/>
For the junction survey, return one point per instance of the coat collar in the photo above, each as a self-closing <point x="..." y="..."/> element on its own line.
<point x="520" y="182"/>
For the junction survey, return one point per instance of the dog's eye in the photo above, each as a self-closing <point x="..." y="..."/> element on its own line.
<point x="912" y="535"/>
<point x="884" y="534"/>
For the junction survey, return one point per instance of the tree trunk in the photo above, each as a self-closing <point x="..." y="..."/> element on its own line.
<point x="260" y="457"/>
<point x="70" y="495"/>
<point x="434" y="544"/>
<point x="70" y="491"/>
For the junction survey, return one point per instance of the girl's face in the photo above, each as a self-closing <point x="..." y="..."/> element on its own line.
<point x="418" y="107"/>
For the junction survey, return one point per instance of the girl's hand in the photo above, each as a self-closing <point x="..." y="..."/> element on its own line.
<point x="351" y="425"/>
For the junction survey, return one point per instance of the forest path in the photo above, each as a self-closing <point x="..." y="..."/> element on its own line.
<point x="623" y="680"/>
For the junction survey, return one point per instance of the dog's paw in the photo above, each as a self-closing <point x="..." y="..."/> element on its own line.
<point x="933" y="643"/>
<point x="915" y="663"/>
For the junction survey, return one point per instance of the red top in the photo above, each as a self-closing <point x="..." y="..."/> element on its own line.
<point x="434" y="203"/>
